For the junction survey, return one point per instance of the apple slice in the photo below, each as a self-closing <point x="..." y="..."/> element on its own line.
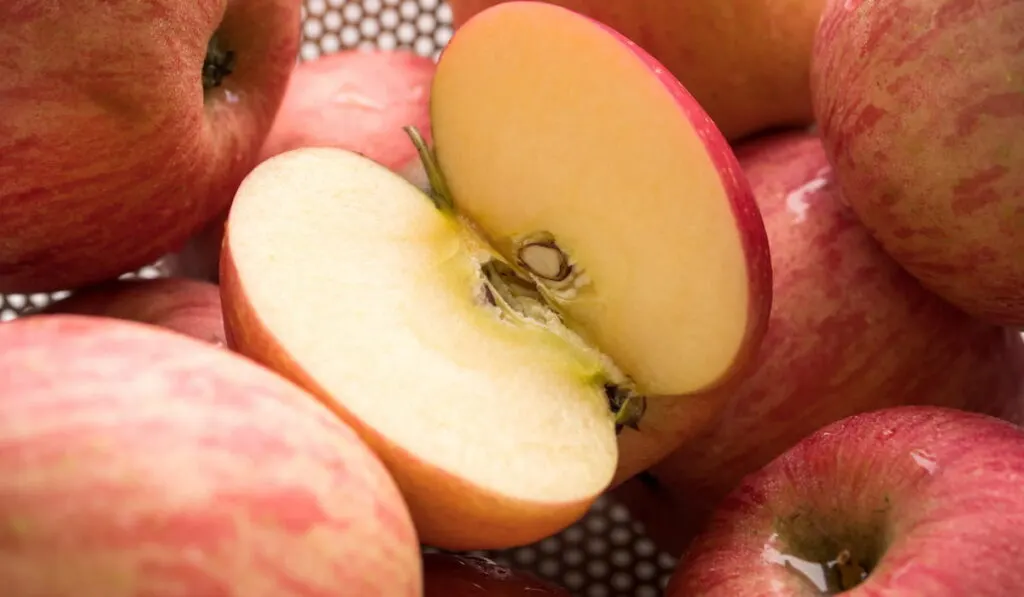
<point x="493" y="396"/>
<point x="581" y="159"/>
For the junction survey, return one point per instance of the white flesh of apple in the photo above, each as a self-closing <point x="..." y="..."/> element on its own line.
<point x="544" y="122"/>
<point x="376" y="295"/>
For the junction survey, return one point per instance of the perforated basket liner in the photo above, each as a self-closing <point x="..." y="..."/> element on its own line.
<point x="606" y="554"/>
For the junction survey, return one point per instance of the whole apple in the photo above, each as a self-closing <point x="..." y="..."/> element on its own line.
<point x="450" y="575"/>
<point x="850" y="331"/>
<point x="903" y="502"/>
<point x="746" y="61"/>
<point x="127" y="126"/>
<point x="187" y="306"/>
<point x="137" y="461"/>
<point x="921" y="109"/>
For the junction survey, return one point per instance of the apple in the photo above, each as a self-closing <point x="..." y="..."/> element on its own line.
<point x="921" y="111"/>
<point x="746" y="62"/>
<point x="138" y="461"/>
<point x="359" y="100"/>
<point x="187" y="306"/>
<point x="125" y="131"/>
<point x="452" y="575"/>
<point x="850" y="331"/>
<point x="904" y="501"/>
<point x="588" y="242"/>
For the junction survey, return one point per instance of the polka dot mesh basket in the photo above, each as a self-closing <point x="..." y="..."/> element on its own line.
<point x="606" y="554"/>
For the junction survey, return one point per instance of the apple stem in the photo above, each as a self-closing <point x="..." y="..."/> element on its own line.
<point x="628" y="407"/>
<point x="219" y="63"/>
<point x="440" y="194"/>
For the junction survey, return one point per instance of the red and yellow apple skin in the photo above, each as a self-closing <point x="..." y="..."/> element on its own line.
<point x="920" y="107"/>
<point x="358" y="100"/>
<point x="138" y="461"/>
<point x="922" y="500"/>
<point x="112" y="153"/>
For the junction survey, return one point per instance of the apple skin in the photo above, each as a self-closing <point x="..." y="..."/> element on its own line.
<point x="931" y="495"/>
<point x="746" y="62"/>
<point x="921" y="119"/>
<point x="850" y="331"/>
<point x="357" y="100"/>
<point x="112" y="154"/>
<point x="452" y="575"/>
<point x="194" y="472"/>
<point x="186" y="306"/>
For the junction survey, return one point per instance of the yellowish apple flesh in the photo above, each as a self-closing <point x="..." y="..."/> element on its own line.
<point x="546" y="130"/>
<point x="484" y="417"/>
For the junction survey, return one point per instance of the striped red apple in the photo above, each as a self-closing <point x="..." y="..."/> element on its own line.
<point x="137" y="461"/>
<point x="126" y="128"/>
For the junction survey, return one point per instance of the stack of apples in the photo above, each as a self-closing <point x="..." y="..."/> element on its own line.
<point x="755" y="268"/>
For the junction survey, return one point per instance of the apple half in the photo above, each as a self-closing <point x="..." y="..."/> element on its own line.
<point x="588" y="241"/>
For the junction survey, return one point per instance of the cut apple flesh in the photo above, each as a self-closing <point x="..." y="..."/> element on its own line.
<point x="579" y="160"/>
<point x="376" y="301"/>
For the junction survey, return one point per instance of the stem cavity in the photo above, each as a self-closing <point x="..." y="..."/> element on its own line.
<point x="218" y="65"/>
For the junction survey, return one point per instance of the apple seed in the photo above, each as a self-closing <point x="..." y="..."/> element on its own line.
<point x="545" y="260"/>
<point x="219" y="63"/>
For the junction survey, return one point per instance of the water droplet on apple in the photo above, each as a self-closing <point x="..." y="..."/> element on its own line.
<point x="797" y="200"/>
<point x="353" y="98"/>
<point x="925" y="460"/>
<point x="814" y="572"/>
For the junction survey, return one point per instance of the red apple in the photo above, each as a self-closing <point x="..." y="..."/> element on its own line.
<point x="450" y="575"/>
<point x="137" y="461"/>
<point x="746" y="61"/>
<point x="125" y="131"/>
<point x="901" y="502"/>
<point x="921" y="107"/>
<point x="358" y="100"/>
<point x="850" y="331"/>
<point x="491" y="337"/>
<point x="186" y="306"/>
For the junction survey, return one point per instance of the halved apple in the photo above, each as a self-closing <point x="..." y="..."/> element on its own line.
<point x="588" y="243"/>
